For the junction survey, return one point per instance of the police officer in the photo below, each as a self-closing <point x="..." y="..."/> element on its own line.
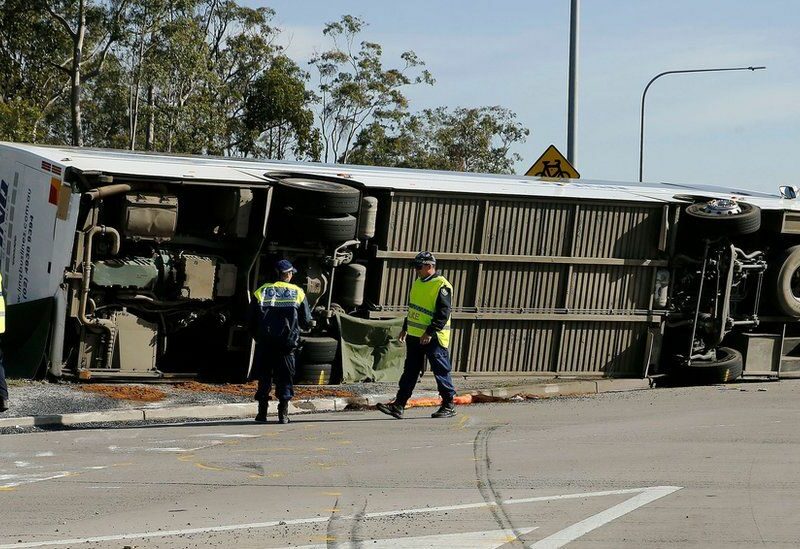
<point x="277" y="313"/>
<point x="3" y="386"/>
<point x="426" y="333"/>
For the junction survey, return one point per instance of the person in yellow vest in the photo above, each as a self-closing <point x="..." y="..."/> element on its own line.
<point x="3" y="386"/>
<point x="426" y="333"/>
<point x="278" y="312"/>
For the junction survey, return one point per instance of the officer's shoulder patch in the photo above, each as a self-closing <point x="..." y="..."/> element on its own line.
<point x="444" y="290"/>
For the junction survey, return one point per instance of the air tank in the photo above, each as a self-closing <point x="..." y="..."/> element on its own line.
<point x="350" y="280"/>
<point x="369" y="212"/>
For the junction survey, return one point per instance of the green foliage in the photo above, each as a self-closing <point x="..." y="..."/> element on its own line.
<point x="30" y="85"/>
<point x="18" y="120"/>
<point x="464" y="139"/>
<point x="355" y="89"/>
<point x="105" y="109"/>
<point x="207" y="77"/>
<point x="278" y="119"/>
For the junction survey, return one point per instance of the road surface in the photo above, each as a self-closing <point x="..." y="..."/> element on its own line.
<point x="686" y="467"/>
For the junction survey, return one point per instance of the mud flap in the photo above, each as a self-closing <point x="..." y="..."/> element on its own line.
<point x="25" y="341"/>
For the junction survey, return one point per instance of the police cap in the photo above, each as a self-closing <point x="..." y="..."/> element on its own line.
<point x="423" y="258"/>
<point x="285" y="266"/>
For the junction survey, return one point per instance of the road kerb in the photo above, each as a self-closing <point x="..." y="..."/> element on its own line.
<point x="213" y="411"/>
<point x="313" y="405"/>
<point x="620" y="385"/>
<point x="328" y="404"/>
<point x="79" y="418"/>
<point x="76" y="418"/>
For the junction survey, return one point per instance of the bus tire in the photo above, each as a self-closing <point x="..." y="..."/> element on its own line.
<point x="727" y="367"/>
<point x="788" y="277"/>
<point x="326" y="229"/>
<point x="317" y="350"/>
<point x="747" y="221"/>
<point x="320" y="197"/>
<point x="313" y="374"/>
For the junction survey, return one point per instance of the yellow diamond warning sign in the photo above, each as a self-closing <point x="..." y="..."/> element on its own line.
<point x="553" y="164"/>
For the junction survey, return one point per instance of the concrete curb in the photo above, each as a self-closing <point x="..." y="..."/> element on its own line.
<point x="315" y="405"/>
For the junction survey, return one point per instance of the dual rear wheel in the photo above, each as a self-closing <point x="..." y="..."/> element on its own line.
<point x="317" y="210"/>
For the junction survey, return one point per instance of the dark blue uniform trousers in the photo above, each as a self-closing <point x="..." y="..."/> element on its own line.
<point x="274" y="363"/>
<point x="3" y="386"/>
<point x="439" y="360"/>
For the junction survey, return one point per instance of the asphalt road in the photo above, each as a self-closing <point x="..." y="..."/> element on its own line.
<point x="690" y="467"/>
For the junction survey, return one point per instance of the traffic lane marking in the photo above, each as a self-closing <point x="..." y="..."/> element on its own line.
<point x="488" y="539"/>
<point x="652" y="490"/>
<point x="579" y="529"/>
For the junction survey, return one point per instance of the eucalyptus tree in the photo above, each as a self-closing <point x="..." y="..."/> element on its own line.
<point x="30" y="88"/>
<point x="278" y="121"/>
<point x="146" y="21"/>
<point x="478" y="139"/>
<point x="242" y="43"/>
<point x="90" y="28"/>
<point x="355" y="88"/>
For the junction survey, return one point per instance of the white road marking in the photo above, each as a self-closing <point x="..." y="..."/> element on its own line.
<point x="571" y="533"/>
<point x="172" y="449"/>
<point x="662" y="490"/>
<point x="490" y="539"/>
<point x="33" y="479"/>
<point x="223" y="435"/>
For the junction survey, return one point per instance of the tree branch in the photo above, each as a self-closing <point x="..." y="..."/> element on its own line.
<point x="60" y="18"/>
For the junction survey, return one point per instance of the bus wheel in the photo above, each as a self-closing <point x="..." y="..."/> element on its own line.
<point x="787" y="283"/>
<point x="319" y="197"/>
<point x="723" y="217"/>
<point x="313" y="374"/>
<point x="318" y="349"/>
<point x="326" y="229"/>
<point x="727" y="367"/>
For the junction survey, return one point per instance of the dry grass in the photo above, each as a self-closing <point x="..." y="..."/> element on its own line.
<point x="126" y="392"/>
<point x="249" y="389"/>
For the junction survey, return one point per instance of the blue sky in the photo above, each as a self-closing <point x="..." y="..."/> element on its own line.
<point x="734" y="129"/>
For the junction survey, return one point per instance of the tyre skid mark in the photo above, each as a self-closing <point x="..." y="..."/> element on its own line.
<point x="358" y="524"/>
<point x="483" y="467"/>
<point x="330" y="537"/>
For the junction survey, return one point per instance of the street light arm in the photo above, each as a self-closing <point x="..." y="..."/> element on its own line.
<point x="665" y="73"/>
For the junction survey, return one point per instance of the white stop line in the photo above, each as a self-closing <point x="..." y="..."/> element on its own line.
<point x="641" y="497"/>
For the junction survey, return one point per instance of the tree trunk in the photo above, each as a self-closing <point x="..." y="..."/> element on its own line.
<point x="75" y="95"/>
<point x="151" y="119"/>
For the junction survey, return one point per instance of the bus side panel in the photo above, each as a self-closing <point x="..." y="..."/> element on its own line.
<point x="561" y="287"/>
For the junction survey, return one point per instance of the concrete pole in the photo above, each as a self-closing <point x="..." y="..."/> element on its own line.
<point x="572" y="106"/>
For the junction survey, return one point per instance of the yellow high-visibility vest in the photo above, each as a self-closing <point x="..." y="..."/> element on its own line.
<point x="280" y="294"/>
<point x="422" y="305"/>
<point x="2" y="307"/>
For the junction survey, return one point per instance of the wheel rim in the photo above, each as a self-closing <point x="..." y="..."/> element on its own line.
<point x="722" y="207"/>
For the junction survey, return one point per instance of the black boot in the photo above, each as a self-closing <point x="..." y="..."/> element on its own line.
<point x="3" y="405"/>
<point x="283" y="411"/>
<point x="261" y="416"/>
<point x="395" y="410"/>
<point x="447" y="409"/>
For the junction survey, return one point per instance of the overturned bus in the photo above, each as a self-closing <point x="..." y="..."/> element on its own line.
<point x="129" y="265"/>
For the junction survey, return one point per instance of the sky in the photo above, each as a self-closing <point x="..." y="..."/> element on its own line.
<point x="735" y="129"/>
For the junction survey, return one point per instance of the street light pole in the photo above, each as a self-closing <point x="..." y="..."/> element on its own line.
<point x="656" y="77"/>
<point x="572" y="99"/>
